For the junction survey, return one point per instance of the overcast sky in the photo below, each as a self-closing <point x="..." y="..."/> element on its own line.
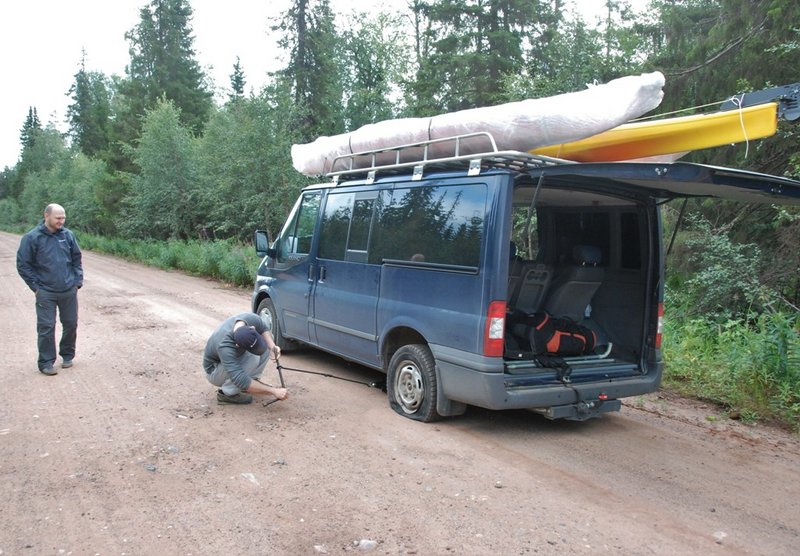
<point x="41" y="43"/>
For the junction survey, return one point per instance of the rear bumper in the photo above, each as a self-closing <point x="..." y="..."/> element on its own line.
<point x="486" y="384"/>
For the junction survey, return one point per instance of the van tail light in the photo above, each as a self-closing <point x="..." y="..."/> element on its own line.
<point x="494" y="332"/>
<point x="660" y="325"/>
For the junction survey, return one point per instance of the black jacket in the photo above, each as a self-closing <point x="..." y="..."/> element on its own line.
<point x="50" y="261"/>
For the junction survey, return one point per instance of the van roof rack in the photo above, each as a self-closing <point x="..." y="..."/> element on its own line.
<point x="437" y="154"/>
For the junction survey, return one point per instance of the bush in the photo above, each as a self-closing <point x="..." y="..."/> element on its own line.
<point x="752" y="367"/>
<point x="147" y="252"/>
<point x="10" y="214"/>
<point x="239" y="265"/>
<point x="723" y="281"/>
<point x="226" y="260"/>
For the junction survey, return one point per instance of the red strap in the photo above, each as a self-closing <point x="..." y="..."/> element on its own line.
<point x="541" y="324"/>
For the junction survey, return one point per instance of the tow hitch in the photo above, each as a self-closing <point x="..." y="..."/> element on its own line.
<point x="582" y="410"/>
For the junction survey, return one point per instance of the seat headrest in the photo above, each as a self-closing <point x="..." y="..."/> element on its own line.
<point x="586" y="255"/>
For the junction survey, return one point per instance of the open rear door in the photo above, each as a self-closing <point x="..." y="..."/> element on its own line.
<point x="675" y="180"/>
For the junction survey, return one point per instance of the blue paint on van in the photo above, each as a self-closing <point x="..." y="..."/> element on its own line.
<point x="412" y="269"/>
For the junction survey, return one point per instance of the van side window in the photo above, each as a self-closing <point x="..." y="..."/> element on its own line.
<point x="526" y="233"/>
<point x="335" y="224"/>
<point x="346" y="226"/>
<point x="631" y="245"/>
<point x="359" y="227"/>
<point x="582" y="228"/>
<point x="294" y="242"/>
<point x="443" y="225"/>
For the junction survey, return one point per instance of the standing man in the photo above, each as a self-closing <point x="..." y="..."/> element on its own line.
<point x="235" y="356"/>
<point x="49" y="260"/>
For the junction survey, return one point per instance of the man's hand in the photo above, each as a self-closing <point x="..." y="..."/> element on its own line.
<point x="280" y="393"/>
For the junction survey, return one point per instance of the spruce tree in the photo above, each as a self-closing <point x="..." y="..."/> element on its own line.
<point x="237" y="82"/>
<point x="467" y="48"/>
<point x="89" y="115"/>
<point x="30" y="129"/>
<point x="313" y="72"/>
<point x="162" y="65"/>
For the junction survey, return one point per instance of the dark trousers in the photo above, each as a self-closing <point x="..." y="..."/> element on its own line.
<point x="46" y="305"/>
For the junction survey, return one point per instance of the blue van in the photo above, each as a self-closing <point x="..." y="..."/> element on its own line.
<point x="441" y="272"/>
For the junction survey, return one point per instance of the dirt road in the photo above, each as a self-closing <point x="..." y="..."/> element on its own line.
<point x="128" y="453"/>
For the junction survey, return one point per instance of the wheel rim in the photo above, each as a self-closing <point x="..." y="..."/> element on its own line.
<point x="409" y="388"/>
<point x="265" y="312"/>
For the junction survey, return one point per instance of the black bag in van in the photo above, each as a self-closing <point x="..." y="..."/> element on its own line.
<point x="559" y="336"/>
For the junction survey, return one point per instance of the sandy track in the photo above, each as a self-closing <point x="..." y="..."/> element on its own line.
<point x="128" y="453"/>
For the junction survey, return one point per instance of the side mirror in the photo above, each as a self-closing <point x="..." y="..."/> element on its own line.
<point x="262" y="244"/>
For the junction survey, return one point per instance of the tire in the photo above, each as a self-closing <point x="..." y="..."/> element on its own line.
<point x="411" y="383"/>
<point x="266" y="307"/>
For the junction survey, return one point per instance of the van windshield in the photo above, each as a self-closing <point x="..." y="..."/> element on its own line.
<point x="294" y="241"/>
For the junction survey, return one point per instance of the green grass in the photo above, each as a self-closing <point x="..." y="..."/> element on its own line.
<point x="751" y="367"/>
<point x="225" y="260"/>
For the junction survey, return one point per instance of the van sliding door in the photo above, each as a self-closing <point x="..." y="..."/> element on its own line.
<point x="345" y="290"/>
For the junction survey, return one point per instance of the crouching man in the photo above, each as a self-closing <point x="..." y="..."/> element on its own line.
<point x="235" y="356"/>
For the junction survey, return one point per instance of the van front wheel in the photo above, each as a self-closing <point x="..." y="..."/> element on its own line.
<point x="267" y="308"/>
<point x="411" y="383"/>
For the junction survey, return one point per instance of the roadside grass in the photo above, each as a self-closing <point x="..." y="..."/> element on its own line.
<point x="228" y="260"/>
<point x="749" y="367"/>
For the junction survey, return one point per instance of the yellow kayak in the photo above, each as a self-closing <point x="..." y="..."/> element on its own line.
<point x="670" y="135"/>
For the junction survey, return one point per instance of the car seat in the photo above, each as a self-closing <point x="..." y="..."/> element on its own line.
<point x="534" y="280"/>
<point x="575" y="284"/>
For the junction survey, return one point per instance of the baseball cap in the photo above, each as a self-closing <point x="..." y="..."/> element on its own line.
<point x="249" y="339"/>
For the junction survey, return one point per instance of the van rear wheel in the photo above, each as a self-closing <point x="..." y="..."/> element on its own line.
<point x="411" y="383"/>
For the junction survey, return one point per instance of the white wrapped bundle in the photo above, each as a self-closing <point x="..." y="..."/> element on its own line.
<point x="516" y="126"/>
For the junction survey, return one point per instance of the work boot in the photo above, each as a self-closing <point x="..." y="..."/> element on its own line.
<point x="49" y="371"/>
<point x="240" y="399"/>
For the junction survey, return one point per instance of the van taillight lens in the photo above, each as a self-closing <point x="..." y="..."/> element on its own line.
<point x="660" y="325"/>
<point x="494" y="332"/>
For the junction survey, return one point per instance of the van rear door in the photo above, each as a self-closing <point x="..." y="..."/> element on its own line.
<point x="677" y="179"/>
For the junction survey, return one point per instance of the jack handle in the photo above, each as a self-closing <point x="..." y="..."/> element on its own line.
<point x="280" y="375"/>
